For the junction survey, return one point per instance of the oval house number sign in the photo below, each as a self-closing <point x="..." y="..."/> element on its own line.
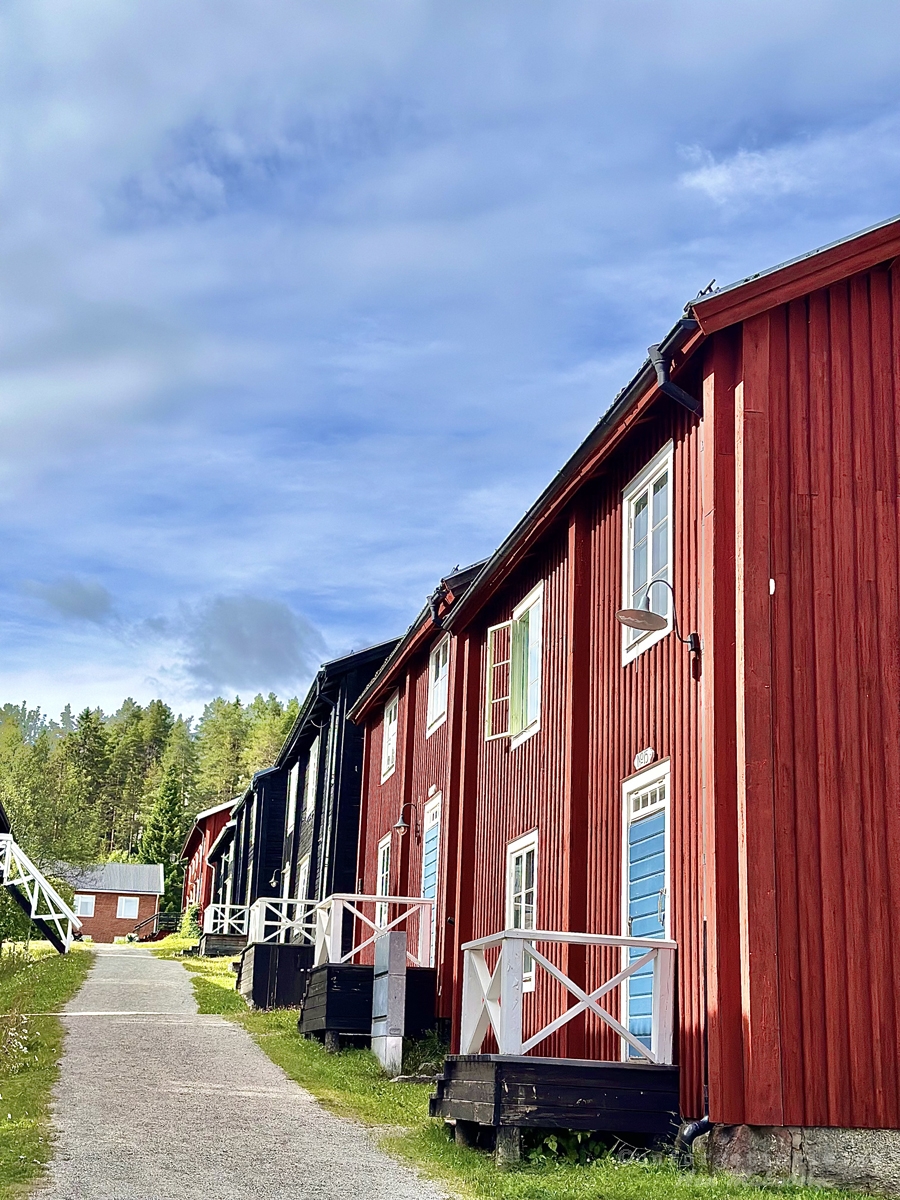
<point x="644" y="758"/>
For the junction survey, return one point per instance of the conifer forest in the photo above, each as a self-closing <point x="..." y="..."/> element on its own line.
<point x="127" y="786"/>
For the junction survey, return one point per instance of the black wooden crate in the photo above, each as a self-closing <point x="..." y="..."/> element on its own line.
<point x="274" y="975"/>
<point x="558" y="1093"/>
<point x="339" y="1000"/>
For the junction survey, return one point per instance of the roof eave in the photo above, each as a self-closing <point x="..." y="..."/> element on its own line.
<point x="681" y="342"/>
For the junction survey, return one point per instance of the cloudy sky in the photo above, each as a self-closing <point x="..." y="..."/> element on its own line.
<point x="302" y="303"/>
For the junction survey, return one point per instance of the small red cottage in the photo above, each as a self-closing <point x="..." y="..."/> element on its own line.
<point x="112" y="899"/>
<point x="199" y="872"/>
<point x="669" y="887"/>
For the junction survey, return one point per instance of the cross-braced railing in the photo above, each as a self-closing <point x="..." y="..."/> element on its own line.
<point x="330" y="925"/>
<point x="493" y="999"/>
<point x="43" y="900"/>
<point x="274" y="919"/>
<point x="226" y="919"/>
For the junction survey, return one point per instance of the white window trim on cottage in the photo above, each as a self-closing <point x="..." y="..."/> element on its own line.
<point x="641" y="488"/>
<point x="517" y="901"/>
<point x="389" y="736"/>
<point x="438" y="685"/>
<point x="311" y="781"/>
<point x="128" y="902"/>
<point x="84" y="906"/>
<point x="515" y="671"/>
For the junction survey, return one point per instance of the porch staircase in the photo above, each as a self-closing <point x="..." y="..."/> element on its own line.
<point x="36" y="896"/>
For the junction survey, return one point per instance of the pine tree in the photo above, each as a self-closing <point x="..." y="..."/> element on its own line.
<point x="221" y="736"/>
<point x="269" y="722"/>
<point x="172" y="810"/>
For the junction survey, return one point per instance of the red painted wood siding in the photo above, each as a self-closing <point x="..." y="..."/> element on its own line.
<point x="817" y="717"/>
<point x="423" y="763"/>
<point x="566" y="780"/>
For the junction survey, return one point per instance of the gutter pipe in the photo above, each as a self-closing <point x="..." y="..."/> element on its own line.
<point x="688" y="1134"/>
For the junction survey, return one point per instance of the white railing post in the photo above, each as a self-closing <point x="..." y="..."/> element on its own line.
<point x="512" y="972"/>
<point x="663" y="1005"/>
<point x="335" y="935"/>
<point x="255" y="924"/>
<point x="425" y="919"/>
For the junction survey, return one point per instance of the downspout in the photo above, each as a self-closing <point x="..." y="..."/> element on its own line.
<point x="672" y="390"/>
<point x="687" y="1135"/>
<point x="434" y="601"/>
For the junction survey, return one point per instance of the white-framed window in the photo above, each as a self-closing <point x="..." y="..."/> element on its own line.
<point x="438" y="680"/>
<point x="647" y="549"/>
<point x="303" y="879"/>
<point x="311" y="781"/>
<point x="127" y="908"/>
<point x="514" y="657"/>
<point x="383" y="880"/>
<point x="521" y="891"/>
<point x="389" y="736"/>
<point x="84" y="906"/>
<point x="293" y="785"/>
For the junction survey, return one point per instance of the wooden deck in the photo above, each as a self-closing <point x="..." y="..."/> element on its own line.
<point x="558" y="1093"/>
<point x="339" y="1001"/>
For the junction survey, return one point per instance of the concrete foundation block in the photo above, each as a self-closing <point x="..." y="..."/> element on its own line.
<point x="863" y="1159"/>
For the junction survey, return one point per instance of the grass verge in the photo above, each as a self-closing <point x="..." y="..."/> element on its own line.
<point x="39" y="981"/>
<point x="351" y="1084"/>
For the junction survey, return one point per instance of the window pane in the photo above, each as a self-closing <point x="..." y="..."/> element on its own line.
<point x="639" y="518"/>
<point x="660" y="554"/>
<point x="529" y="869"/>
<point x="661" y="499"/>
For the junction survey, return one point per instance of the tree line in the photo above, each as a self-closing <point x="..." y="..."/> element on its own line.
<point x="126" y="787"/>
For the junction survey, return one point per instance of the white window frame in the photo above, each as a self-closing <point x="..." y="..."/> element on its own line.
<point x="653" y="775"/>
<point x="303" y="878"/>
<point x="293" y="786"/>
<point x="390" y="725"/>
<point x="121" y="901"/>
<point x="521" y="846"/>
<point x="634" y="643"/>
<point x="84" y="905"/>
<point x="311" y="778"/>
<point x="438" y="685"/>
<point x="432" y="816"/>
<point x="521" y="725"/>
<point x="382" y="878"/>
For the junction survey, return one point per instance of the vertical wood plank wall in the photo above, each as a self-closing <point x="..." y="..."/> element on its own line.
<point x="819" y="778"/>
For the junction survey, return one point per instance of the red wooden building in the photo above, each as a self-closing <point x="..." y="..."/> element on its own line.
<point x="199" y="873"/>
<point x="737" y="802"/>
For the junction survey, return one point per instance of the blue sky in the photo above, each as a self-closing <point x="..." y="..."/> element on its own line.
<point x="302" y="304"/>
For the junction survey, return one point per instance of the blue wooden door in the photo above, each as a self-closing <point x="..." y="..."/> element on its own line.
<point x="431" y="850"/>
<point x="646" y="882"/>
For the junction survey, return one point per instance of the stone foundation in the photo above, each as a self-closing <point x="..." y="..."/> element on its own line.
<point x="867" y="1160"/>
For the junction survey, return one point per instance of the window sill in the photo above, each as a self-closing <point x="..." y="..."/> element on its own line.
<point x="642" y="645"/>
<point x="518" y="738"/>
<point x="435" y="725"/>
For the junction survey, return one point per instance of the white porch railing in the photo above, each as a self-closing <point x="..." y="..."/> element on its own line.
<point x="226" y="919"/>
<point x="493" y="999"/>
<point x="18" y="871"/>
<point x="330" y="925"/>
<point x="274" y="919"/>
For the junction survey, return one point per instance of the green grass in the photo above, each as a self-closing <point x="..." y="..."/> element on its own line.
<point x="30" y="1048"/>
<point x="352" y="1084"/>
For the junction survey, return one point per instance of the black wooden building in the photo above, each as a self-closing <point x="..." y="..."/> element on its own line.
<point x="306" y="823"/>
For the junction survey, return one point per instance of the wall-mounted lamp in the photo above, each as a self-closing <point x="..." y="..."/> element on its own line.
<point x="402" y="826"/>
<point x="648" y="620"/>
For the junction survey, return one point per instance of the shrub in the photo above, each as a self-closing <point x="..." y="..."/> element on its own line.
<point x="190" y="922"/>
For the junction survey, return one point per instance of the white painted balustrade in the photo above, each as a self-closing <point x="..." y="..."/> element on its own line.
<point x="492" y="999"/>
<point x="226" y="919"/>
<point x="18" y="871"/>
<point x="371" y="913"/>
<point x="274" y="919"/>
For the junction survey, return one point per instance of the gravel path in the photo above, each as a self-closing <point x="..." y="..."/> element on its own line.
<point x="156" y="1102"/>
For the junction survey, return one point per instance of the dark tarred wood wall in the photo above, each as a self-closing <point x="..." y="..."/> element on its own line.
<point x="817" y="721"/>
<point x="566" y="780"/>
